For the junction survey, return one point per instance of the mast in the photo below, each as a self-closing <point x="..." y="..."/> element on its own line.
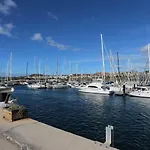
<point x="7" y="71"/>
<point x="112" y="68"/>
<point x="57" y="71"/>
<point x="149" y="58"/>
<point x="70" y="67"/>
<point x="10" y="67"/>
<point x="129" y="70"/>
<point x="103" y="60"/>
<point x="35" y="67"/>
<point x="111" y="74"/>
<point x="34" y="64"/>
<point x="39" y="69"/>
<point x="76" y="72"/>
<point x="44" y="70"/>
<point x="76" y="68"/>
<point x="57" y="68"/>
<point x="118" y="64"/>
<point x="81" y="76"/>
<point x="27" y="70"/>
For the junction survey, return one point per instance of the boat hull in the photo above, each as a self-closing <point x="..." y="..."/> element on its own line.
<point x="36" y="86"/>
<point x="33" y="87"/>
<point x="60" y="86"/>
<point x="139" y="94"/>
<point x="96" y="91"/>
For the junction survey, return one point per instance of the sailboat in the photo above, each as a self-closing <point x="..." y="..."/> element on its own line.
<point x="36" y="85"/>
<point x="114" y="86"/>
<point x="117" y="86"/>
<point x="98" y="87"/>
<point x="9" y="72"/>
<point x="142" y="91"/>
<point x="57" y="84"/>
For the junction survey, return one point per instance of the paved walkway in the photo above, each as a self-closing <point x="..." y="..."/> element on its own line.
<point x="34" y="135"/>
<point x="6" y="145"/>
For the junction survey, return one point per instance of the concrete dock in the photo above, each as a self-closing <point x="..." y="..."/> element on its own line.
<point x="28" y="134"/>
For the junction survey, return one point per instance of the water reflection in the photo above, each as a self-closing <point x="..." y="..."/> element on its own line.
<point x="94" y="98"/>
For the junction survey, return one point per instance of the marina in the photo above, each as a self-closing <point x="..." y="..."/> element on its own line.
<point x="87" y="114"/>
<point x="79" y="104"/>
<point x="74" y="75"/>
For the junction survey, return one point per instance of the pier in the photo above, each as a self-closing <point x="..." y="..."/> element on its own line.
<point x="29" y="134"/>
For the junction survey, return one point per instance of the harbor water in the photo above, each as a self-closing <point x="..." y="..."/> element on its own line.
<point x="87" y="115"/>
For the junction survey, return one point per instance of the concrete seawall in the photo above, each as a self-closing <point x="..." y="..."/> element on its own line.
<point x="29" y="134"/>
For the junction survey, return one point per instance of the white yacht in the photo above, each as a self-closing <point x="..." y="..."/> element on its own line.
<point x="5" y="98"/>
<point x="97" y="88"/>
<point x="60" y="86"/>
<point x="140" y="92"/>
<point x="24" y="83"/>
<point x="35" y="86"/>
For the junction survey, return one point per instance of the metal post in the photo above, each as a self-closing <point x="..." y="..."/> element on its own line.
<point x="124" y="89"/>
<point x="109" y="136"/>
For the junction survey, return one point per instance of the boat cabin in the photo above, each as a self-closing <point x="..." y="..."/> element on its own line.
<point x="142" y="88"/>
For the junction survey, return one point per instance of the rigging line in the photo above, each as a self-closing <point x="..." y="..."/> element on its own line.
<point x="111" y="62"/>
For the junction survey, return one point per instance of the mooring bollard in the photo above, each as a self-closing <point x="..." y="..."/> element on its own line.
<point x="109" y="136"/>
<point x="124" y="90"/>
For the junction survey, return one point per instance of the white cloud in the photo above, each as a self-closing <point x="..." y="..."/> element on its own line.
<point x="6" y="6"/>
<point x="9" y="26"/>
<point x="5" y="29"/>
<point x="144" y="48"/>
<point x="37" y="37"/>
<point x="52" y="16"/>
<point x="76" y="49"/>
<point x="59" y="46"/>
<point x="51" y="42"/>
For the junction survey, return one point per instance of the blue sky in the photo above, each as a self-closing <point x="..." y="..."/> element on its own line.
<point x="69" y="30"/>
